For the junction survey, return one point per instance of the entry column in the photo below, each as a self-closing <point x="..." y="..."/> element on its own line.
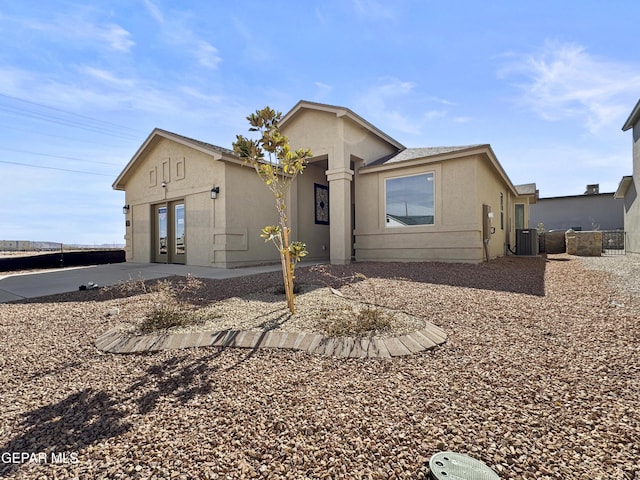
<point x="340" y="234"/>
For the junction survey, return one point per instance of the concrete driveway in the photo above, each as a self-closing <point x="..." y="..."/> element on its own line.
<point x="18" y="286"/>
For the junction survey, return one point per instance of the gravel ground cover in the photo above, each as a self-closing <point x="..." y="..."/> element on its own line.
<point x="318" y="309"/>
<point x="539" y="379"/>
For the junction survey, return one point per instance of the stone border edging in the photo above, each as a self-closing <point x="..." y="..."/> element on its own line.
<point x="429" y="337"/>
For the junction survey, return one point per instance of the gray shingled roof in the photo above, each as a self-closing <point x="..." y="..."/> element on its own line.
<point x="206" y="145"/>
<point x="415" y="153"/>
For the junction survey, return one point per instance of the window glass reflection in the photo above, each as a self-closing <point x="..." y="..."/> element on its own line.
<point x="179" y="216"/>
<point x="162" y="230"/>
<point x="410" y="200"/>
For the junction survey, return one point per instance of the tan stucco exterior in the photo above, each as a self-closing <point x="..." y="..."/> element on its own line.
<point x="223" y="232"/>
<point x="464" y="182"/>
<point x="353" y="159"/>
<point x="629" y="187"/>
<point x="342" y="138"/>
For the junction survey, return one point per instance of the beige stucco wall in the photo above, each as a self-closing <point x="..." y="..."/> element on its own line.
<point x="302" y="213"/>
<point x="632" y="200"/>
<point x="249" y="207"/>
<point x="462" y="186"/>
<point x="189" y="175"/>
<point x="456" y="233"/>
<point x="335" y="137"/>
<point x="490" y="186"/>
<point x="223" y="232"/>
<point x="342" y="142"/>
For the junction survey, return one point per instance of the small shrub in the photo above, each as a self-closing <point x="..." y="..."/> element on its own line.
<point x="358" y="322"/>
<point x="170" y="309"/>
<point x="279" y="290"/>
<point x="128" y="288"/>
<point x="164" y="317"/>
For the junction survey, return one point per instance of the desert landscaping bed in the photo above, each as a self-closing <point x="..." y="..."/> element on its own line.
<point x="539" y="378"/>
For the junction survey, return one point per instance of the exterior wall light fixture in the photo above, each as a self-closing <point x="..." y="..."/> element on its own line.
<point x="214" y="192"/>
<point x="126" y="209"/>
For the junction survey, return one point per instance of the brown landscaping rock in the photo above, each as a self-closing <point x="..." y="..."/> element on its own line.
<point x="537" y="379"/>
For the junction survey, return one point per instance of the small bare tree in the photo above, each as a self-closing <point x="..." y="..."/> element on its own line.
<point x="277" y="170"/>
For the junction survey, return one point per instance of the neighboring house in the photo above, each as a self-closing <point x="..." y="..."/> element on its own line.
<point x="629" y="186"/>
<point x="363" y="196"/>
<point x="591" y="211"/>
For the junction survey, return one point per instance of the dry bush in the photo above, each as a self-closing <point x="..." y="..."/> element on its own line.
<point x="359" y="322"/>
<point x="128" y="288"/>
<point x="170" y="303"/>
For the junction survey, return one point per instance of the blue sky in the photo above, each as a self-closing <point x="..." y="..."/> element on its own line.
<point x="548" y="84"/>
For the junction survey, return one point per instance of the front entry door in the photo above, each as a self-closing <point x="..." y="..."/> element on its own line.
<point x="169" y="239"/>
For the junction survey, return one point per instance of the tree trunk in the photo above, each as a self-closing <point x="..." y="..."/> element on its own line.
<point x="286" y="270"/>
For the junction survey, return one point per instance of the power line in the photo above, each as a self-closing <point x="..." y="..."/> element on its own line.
<point x="49" y="134"/>
<point x="55" y="168"/>
<point x="58" y="156"/>
<point x="66" y="122"/>
<point x="80" y="121"/>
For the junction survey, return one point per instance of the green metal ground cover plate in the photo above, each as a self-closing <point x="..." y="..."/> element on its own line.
<point x="457" y="466"/>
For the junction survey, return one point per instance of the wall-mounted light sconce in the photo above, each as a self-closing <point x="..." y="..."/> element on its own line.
<point x="214" y="192"/>
<point x="163" y="184"/>
<point x="490" y="215"/>
<point x="126" y="209"/>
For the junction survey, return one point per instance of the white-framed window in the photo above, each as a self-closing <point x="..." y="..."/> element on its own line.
<point x="501" y="211"/>
<point x="410" y="200"/>
<point x="519" y="214"/>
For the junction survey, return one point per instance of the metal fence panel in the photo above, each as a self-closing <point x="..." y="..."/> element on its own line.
<point x="613" y="242"/>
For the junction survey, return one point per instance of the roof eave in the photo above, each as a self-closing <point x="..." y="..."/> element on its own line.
<point x="436" y="157"/>
<point x="340" y="112"/>
<point x="623" y="187"/>
<point x="633" y="118"/>
<point x="483" y="149"/>
<point x="120" y="183"/>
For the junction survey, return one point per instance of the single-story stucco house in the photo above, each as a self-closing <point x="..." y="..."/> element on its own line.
<point x="363" y="196"/>
<point x="629" y="185"/>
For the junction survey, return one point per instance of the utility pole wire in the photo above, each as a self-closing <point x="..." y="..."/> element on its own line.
<point x="55" y="168"/>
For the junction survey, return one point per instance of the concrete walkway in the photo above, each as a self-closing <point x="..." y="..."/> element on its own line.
<point x="18" y="286"/>
<point x="353" y="347"/>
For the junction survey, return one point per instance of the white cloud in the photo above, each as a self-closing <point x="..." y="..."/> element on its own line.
<point x="154" y="11"/>
<point x="380" y="104"/>
<point x="374" y="9"/>
<point x="395" y="104"/>
<point x="323" y="90"/>
<point x="256" y="48"/>
<point x="207" y="54"/>
<point x="80" y="27"/>
<point x="564" y="81"/>
<point x="176" y="32"/>
<point x="462" y="120"/>
<point x="107" y="77"/>
<point x="435" y="114"/>
<point x="115" y="36"/>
